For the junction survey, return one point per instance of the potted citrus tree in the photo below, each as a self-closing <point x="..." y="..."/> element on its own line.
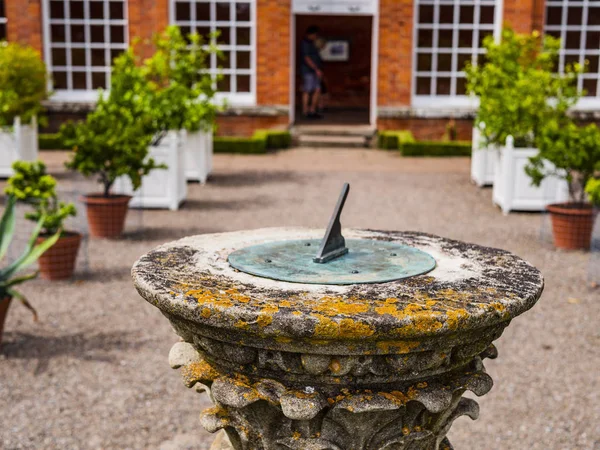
<point x="184" y="112"/>
<point x="113" y="142"/>
<point x="31" y="184"/>
<point x="518" y="90"/>
<point x="574" y="154"/>
<point x="10" y="275"/>
<point x="22" y="89"/>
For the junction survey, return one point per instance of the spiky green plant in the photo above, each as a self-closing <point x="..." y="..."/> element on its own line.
<point x="10" y="275"/>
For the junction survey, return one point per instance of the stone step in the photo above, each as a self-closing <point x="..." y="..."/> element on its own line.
<point x="331" y="141"/>
<point x="333" y="130"/>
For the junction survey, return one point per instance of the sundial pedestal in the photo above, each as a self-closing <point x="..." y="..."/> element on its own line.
<point x="367" y="366"/>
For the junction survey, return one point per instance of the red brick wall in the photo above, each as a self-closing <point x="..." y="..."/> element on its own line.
<point x="246" y="125"/>
<point x="428" y="129"/>
<point x="147" y="17"/>
<point x="24" y="22"/>
<point x="524" y="16"/>
<point x="395" y="52"/>
<point x="273" y="52"/>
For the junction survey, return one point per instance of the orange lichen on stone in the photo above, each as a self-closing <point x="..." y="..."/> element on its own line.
<point x="285" y="304"/>
<point x="205" y="313"/>
<point x="397" y="347"/>
<point x="334" y="306"/>
<point x="242" y="325"/>
<point x="199" y="371"/>
<point x="454" y="317"/>
<point x="296" y="435"/>
<point x="265" y="316"/>
<point x="335" y="366"/>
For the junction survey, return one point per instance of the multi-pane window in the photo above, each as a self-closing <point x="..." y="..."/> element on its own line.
<point x="577" y="24"/>
<point x="448" y="34"/>
<point x="2" y="21"/>
<point x="235" y="22"/>
<point x="81" y="40"/>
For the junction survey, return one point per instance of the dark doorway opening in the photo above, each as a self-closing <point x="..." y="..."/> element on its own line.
<point x="347" y="80"/>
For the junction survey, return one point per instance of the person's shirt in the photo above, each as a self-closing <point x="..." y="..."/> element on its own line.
<point x="308" y="48"/>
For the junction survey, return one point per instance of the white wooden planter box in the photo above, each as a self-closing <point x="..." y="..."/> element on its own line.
<point x="482" y="161"/>
<point x="198" y="155"/>
<point x="513" y="190"/>
<point x="161" y="188"/>
<point x="19" y="143"/>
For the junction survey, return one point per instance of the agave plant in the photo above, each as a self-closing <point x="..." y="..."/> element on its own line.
<point x="10" y="275"/>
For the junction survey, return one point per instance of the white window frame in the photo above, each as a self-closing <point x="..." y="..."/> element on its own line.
<point x="4" y="20"/>
<point x="82" y="95"/>
<point x="232" y="98"/>
<point x="584" y="103"/>
<point x="453" y="100"/>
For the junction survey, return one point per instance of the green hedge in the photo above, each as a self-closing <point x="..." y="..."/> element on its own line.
<point x="394" y="140"/>
<point x="276" y="139"/>
<point x="260" y="142"/>
<point x="433" y="148"/>
<point x="50" y="141"/>
<point x="227" y="144"/>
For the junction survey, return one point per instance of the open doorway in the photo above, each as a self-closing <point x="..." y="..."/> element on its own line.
<point x="346" y="68"/>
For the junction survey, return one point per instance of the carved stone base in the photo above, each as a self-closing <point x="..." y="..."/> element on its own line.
<point x="222" y="442"/>
<point x="264" y="414"/>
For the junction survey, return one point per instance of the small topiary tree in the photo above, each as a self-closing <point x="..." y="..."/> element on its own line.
<point x="33" y="185"/>
<point x="518" y="87"/>
<point x="182" y="88"/>
<point x="592" y="189"/>
<point x="574" y="151"/>
<point x="114" y="139"/>
<point x="23" y="82"/>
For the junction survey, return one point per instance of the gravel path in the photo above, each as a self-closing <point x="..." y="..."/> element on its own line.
<point x="93" y="373"/>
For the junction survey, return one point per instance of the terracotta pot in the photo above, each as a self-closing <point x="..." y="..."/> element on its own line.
<point x="572" y="225"/>
<point x="58" y="262"/>
<point x="4" y="304"/>
<point x="106" y="215"/>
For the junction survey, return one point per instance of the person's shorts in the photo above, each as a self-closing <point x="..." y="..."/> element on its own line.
<point x="310" y="82"/>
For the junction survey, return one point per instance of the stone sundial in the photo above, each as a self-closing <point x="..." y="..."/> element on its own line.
<point x="364" y="340"/>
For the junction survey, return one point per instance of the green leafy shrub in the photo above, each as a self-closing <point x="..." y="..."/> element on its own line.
<point x="33" y="185"/>
<point x="515" y="85"/>
<point x="275" y="139"/>
<point x="50" y="141"/>
<point x="436" y="148"/>
<point x="181" y="87"/>
<point x="394" y="140"/>
<point x="592" y="189"/>
<point x="573" y="150"/>
<point x="9" y="277"/>
<point x="114" y="139"/>
<point x="252" y="145"/>
<point x="23" y="80"/>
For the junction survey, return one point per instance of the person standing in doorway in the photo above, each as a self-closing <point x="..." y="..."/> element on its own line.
<point x="311" y="69"/>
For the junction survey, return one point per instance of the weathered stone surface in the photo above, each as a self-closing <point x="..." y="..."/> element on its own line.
<point x="295" y="366"/>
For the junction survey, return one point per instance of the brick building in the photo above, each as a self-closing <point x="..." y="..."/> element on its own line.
<point x="398" y="63"/>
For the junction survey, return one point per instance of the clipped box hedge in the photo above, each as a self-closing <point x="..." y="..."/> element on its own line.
<point x="394" y="140"/>
<point x="228" y="144"/>
<point x="50" y="141"/>
<point x="276" y="139"/>
<point x="260" y="142"/>
<point x="434" y="148"/>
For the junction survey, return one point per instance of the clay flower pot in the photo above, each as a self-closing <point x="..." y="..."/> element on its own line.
<point x="572" y="225"/>
<point x="58" y="262"/>
<point x="4" y="304"/>
<point x="106" y="215"/>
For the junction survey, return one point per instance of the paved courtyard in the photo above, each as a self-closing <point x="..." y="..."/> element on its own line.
<point x="93" y="373"/>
